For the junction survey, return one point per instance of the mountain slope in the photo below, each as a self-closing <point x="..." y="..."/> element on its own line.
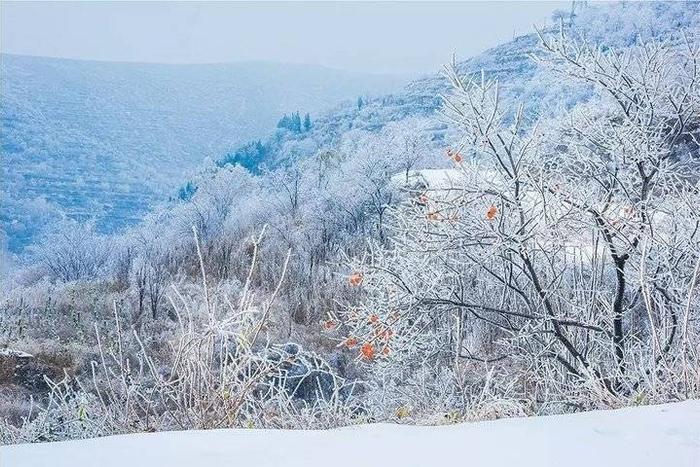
<point x="105" y="140"/>
<point x="520" y="79"/>
<point x="640" y="436"/>
<point x="116" y="138"/>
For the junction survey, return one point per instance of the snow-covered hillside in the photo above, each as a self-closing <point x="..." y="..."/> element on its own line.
<point x="393" y="260"/>
<point x="649" y="436"/>
<point x="521" y="81"/>
<point x="104" y="140"/>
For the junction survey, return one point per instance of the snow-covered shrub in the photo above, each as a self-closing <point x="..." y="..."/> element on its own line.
<point x="219" y="369"/>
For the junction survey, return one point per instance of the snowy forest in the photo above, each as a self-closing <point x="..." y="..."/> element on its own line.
<point x="518" y="235"/>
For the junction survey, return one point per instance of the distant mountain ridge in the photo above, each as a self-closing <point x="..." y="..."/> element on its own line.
<point x="105" y="140"/>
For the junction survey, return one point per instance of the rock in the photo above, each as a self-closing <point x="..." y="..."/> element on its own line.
<point x="23" y="369"/>
<point x="10" y="359"/>
<point x="305" y="376"/>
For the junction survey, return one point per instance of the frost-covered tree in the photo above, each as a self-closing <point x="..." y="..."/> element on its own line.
<point x="563" y="252"/>
<point x="70" y="251"/>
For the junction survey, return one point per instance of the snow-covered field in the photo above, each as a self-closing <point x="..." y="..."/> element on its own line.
<point x="654" y="436"/>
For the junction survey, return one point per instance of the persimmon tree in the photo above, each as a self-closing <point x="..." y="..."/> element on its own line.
<point x="564" y="251"/>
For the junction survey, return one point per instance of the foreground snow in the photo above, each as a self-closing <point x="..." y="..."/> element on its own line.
<point x="642" y="436"/>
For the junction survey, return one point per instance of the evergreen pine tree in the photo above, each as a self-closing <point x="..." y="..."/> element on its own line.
<point x="296" y="122"/>
<point x="284" y="122"/>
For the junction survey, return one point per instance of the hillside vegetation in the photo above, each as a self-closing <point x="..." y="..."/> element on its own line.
<point x="105" y="142"/>
<point x="518" y="236"/>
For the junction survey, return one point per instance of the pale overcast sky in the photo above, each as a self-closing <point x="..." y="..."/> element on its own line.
<point x="364" y="36"/>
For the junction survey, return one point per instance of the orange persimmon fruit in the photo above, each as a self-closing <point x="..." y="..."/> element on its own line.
<point x="356" y="279"/>
<point x="367" y="351"/>
<point x="491" y="212"/>
<point x="350" y="342"/>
